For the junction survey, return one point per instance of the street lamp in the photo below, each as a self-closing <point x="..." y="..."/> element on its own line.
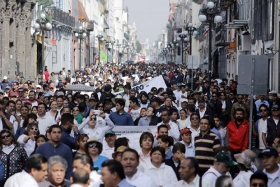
<point x="210" y="15"/>
<point x="99" y="37"/>
<point x="81" y="35"/>
<point x="42" y="24"/>
<point x="191" y="31"/>
<point x="183" y="38"/>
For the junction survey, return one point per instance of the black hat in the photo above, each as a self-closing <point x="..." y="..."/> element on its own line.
<point x="268" y="152"/>
<point x="156" y="99"/>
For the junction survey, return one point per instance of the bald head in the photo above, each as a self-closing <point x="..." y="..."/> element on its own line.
<point x="80" y="176"/>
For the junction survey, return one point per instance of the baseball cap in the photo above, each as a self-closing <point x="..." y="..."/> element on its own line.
<point x="110" y="132"/>
<point x="268" y="152"/>
<point x="2" y="92"/>
<point x="224" y="157"/>
<point x="185" y="131"/>
<point x="38" y="86"/>
<point x="156" y="99"/>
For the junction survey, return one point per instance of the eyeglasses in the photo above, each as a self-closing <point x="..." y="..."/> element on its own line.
<point x="34" y="129"/>
<point x="258" y="184"/>
<point x="20" y="91"/>
<point x="263" y="110"/>
<point x="214" y="96"/>
<point x="92" y="145"/>
<point x="5" y="136"/>
<point x="93" y="119"/>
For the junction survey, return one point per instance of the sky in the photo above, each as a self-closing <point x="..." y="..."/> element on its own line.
<point x="150" y="17"/>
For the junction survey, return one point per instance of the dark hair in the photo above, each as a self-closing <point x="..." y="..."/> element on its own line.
<point x="80" y="138"/>
<point x="65" y="118"/>
<point x="240" y="110"/>
<point x="144" y="136"/>
<point x="160" y="149"/>
<point x="195" y="114"/>
<point x="168" y="112"/>
<point x="82" y="107"/>
<point x="85" y="159"/>
<point x="191" y="108"/>
<point x="29" y="126"/>
<point x="179" y="147"/>
<point x="53" y="127"/>
<point x="29" y="116"/>
<point x="132" y="151"/>
<point x="193" y="164"/>
<point x="120" y="102"/>
<point x="123" y="141"/>
<point x="263" y="105"/>
<point x="12" y="135"/>
<point x="134" y="100"/>
<point x="35" y="162"/>
<point x="99" y="146"/>
<point x="166" y="139"/>
<point x="224" y="181"/>
<point x="44" y="105"/>
<point x="80" y="176"/>
<point x="114" y="167"/>
<point x="259" y="175"/>
<point x="162" y="126"/>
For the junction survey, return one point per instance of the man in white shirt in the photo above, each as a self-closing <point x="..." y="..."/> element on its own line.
<point x="222" y="164"/>
<point x="269" y="158"/>
<point x="108" y="149"/>
<point x="35" y="171"/>
<point x="173" y="129"/>
<point x="44" y="120"/>
<point x="189" y="174"/>
<point x="130" y="162"/>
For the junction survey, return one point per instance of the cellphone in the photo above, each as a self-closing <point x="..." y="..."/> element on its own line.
<point x="96" y="112"/>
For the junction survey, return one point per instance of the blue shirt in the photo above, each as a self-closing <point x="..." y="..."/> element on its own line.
<point x="123" y="119"/>
<point x="69" y="140"/>
<point x="48" y="150"/>
<point x="168" y="155"/>
<point x="124" y="183"/>
<point x="99" y="161"/>
<point x="215" y="131"/>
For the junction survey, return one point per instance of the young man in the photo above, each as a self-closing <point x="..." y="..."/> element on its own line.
<point x="120" y="117"/>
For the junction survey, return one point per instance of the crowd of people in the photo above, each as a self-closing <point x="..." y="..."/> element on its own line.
<point x="52" y="136"/>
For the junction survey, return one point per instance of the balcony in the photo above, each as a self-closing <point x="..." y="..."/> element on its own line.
<point x="224" y="4"/>
<point x="220" y="37"/>
<point x="90" y="26"/>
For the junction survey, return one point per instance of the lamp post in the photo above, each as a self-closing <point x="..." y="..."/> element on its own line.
<point x="191" y="31"/>
<point x="182" y="37"/>
<point x="42" y="24"/>
<point x="99" y="37"/>
<point x="210" y="15"/>
<point x="80" y="34"/>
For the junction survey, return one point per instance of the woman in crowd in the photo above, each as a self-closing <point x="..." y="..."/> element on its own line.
<point x="142" y="114"/>
<point x="183" y="119"/>
<point x="146" y="143"/>
<point x="27" y="139"/>
<point x="18" y="107"/>
<point x="53" y="110"/>
<point x="12" y="155"/>
<point x="30" y="119"/>
<point x="163" y="175"/>
<point x="166" y="142"/>
<point x="34" y="110"/>
<point x="81" y="141"/>
<point x="93" y="149"/>
<point x="246" y="161"/>
<point x="40" y="139"/>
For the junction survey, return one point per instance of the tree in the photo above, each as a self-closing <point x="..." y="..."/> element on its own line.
<point x="138" y="46"/>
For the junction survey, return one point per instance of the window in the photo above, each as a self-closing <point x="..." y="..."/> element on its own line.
<point x="54" y="54"/>
<point x="270" y="19"/>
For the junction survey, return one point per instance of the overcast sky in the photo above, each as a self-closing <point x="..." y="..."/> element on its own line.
<point x="150" y="17"/>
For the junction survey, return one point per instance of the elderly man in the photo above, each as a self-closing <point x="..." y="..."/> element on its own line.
<point x="57" y="167"/>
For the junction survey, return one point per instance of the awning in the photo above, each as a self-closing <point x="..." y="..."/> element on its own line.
<point x="82" y="13"/>
<point x="205" y="61"/>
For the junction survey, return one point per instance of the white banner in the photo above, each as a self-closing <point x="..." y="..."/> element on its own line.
<point x="133" y="133"/>
<point x="157" y="82"/>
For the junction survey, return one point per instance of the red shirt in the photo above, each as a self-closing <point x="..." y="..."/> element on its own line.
<point x="238" y="136"/>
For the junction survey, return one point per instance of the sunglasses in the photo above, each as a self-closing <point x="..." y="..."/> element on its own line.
<point x="263" y="110"/>
<point x="5" y="136"/>
<point x="93" y="119"/>
<point x="34" y="129"/>
<point x="92" y="145"/>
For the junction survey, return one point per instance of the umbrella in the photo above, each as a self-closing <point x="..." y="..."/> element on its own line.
<point x="79" y="87"/>
<point x="219" y="81"/>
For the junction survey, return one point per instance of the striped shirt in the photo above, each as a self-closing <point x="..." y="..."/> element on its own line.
<point x="204" y="149"/>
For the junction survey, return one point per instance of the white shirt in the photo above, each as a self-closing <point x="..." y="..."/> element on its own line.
<point x="273" y="178"/>
<point x="135" y="113"/>
<point x="21" y="179"/>
<point x="13" y="121"/>
<point x="162" y="176"/>
<point x="242" y="179"/>
<point x="29" y="146"/>
<point x="182" y="123"/>
<point x="194" y="183"/>
<point x="45" y="122"/>
<point x="194" y="132"/>
<point x="262" y="128"/>
<point x="95" y="179"/>
<point x="108" y="151"/>
<point x="174" y="131"/>
<point x="140" y="179"/>
<point x="211" y="176"/>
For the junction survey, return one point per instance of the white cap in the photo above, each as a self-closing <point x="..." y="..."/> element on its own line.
<point x="38" y="86"/>
<point x="273" y="92"/>
<point x="5" y="77"/>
